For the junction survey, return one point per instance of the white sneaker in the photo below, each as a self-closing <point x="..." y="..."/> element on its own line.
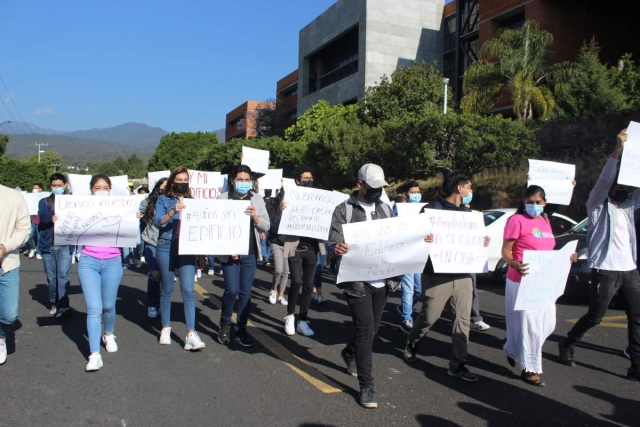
<point x="193" y="342"/>
<point x="199" y="273"/>
<point x="273" y="296"/>
<point x="210" y="272"/>
<point x="165" y="336"/>
<point x="152" y="312"/>
<point x="3" y="350"/>
<point x="195" y="279"/>
<point x="290" y="324"/>
<point x="32" y="252"/>
<point x="53" y="310"/>
<point x="283" y="301"/>
<point x="38" y="256"/>
<point x="480" y="326"/>
<point x="109" y="341"/>
<point x="95" y="362"/>
<point x="304" y="329"/>
<point x="73" y="259"/>
<point x="143" y="260"/>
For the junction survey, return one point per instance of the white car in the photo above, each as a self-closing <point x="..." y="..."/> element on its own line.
<point x="496" y="219"/>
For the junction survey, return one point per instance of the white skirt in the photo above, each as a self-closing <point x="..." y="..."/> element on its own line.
<point x="527" y="330"/>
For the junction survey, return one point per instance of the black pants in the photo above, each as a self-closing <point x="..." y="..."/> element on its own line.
<point x="366" y="312"/>
<point x="302" y="267"/>
<point x="604" y="285"/>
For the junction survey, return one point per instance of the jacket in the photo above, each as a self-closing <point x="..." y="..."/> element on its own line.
<point x="339" y="218"/>
<point x="150" y="232"/>
<point x="46" y="211"/>
<point x="15" y="227"/>
<point x="600" y="217"/>
<point x="163" y="206"/>
<point x="263" y="223"/>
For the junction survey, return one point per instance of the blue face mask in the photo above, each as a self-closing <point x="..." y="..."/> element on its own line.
<point x="242" y="187"/>
<point x="57" y="191"/>
<point x="467" y="199"/>
<point x="415" y="197"/>
<point x="533" y="210"/>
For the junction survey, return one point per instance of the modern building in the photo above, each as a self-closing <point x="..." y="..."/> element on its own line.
<point x="355" y="42"/>
<point x="249" y="120"/>
<point x="286" y="102"/>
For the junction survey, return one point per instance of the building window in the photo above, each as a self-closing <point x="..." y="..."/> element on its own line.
<point x="450" y="33"/>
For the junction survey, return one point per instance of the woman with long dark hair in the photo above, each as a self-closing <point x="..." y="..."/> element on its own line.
<point x="240" y="270"/>
<point x="150" y="238"/>
<point x="167" y="219"/>
<point x="528" y="229"/>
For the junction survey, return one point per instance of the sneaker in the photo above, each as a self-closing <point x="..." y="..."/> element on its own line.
<point x="480" y="326"/>
<point x="73" y="259"/>
<point x="64" y="312"/>
<point x="368" y="398"/>
<point x="143" y="260"/>
<point x="3" y="351"/>
<point x="32" y="253"/>
<point x="195" y="279"/>
<point x="410" y="352"/>
<point x="350" y="361"/>
<point x="273" y="296"/>
<point x="138" y="264"/>
<point x="314" y="296"/>
<point x="77" y="256"/>
<point x="219" y="273"/>
<point x="566" y="354"/>
<point x="290" y="324"/>
<point x="320" y="299"/>
<point x="304" y="329"/>
<point x="199" y="273"/>
<point x="210" y="272"/>
<point x="267" y="264"/>
<point x="463" y="373"/>
<point x="53" y="310"/>
<point x="165" y="336"/>
<point x="626" y="353"/>
<point x="406" y="326"/>
<point x="282" y="301"/>
<point x="175" y="279"/>
<point x="193" y="342"/>
<point x="152" y="312"/>
<point x="38" y="256"/>
<point x="244" y="339"/>
<point x="223" y="334"/>
<point x="95" y="362"/>
<point x="109" y="341"/>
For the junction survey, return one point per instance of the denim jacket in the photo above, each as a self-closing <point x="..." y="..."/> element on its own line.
<point x="163" y="206"/>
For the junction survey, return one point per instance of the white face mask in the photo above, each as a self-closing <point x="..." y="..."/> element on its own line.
<point x="101" y="193"/>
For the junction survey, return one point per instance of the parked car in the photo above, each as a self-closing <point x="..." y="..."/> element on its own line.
<point x="580" y="274"/>
<point x="496" y="219"/>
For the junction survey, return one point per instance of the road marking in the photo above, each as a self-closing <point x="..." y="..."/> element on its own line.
<point x="608" y="322"/>
<point x="297" y="365"/>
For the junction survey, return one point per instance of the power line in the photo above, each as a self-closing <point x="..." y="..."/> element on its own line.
<point x="14" y="104"/>
<point x="13" y="118"/>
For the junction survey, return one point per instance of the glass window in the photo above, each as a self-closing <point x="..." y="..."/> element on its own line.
<point x="491" y="216"/>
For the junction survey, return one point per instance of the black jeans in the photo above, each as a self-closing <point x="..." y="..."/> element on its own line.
<point x="604" y="285"/>
<point x="302" y="267"/>
<point x="366" y="312"/>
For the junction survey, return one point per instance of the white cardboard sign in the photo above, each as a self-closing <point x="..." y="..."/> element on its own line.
<point x="33" y="199"/>
<point x="205" y="185"/>
<point x="154" y="177"/>
<point x="555" y="178"/>
<point x="80" y="185"/>
<point x="257" y="160"/>
<point x="408" y="209"/>
<point x="308" y="213"/>
<point x="271" y="180"/>
<point x="630" y="160"/>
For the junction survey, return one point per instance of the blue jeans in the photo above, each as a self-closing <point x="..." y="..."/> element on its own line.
<point x="153" y="284"/>
<point x="32" y="243"/>
<point x="238" y="279"/>
<point x="265" y="246"/>
<point x="100" y="279"/>
<point x="168" y="262"/>
<point x="211" y="260"/>
<point x="9" y="292"/>
<point x="411" y="290"/>
<point x="317" y="280"/>
<point x="57" y="264"/>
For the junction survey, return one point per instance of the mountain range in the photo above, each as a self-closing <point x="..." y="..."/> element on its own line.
<point x="83" y="147"/>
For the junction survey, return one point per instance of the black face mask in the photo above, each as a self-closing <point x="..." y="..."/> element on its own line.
<point x="373" y="195"/>
<point x="181" y="187"/>
<point x="308" y="184"/>
<point x="620" y="196"/>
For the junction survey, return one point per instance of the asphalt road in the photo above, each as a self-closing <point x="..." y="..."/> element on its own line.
<point x="295" y="381"/>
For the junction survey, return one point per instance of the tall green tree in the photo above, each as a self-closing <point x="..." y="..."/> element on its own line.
<point x="121" y="164"/>
<point x="513" y="65"/>
<point x="625" y="76"/>
<point x="135" y="167"/>
<point x="182" y="149"/>
<point x="108" y="168"/>
<point x="22" y="173"/>
<point x="4" y="140"/>
<point x="316" y="116"/>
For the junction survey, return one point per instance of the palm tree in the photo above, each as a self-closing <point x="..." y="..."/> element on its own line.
<point x="513" y="64"/>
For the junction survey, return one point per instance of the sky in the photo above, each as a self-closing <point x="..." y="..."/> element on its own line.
<point x="179" y="65"/>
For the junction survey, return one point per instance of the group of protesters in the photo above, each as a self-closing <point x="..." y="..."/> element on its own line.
<point x="612" y="245"/>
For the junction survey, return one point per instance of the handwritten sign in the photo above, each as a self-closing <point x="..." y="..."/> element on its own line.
<point x="547" y="278"/>
<point x="216" y="227"/>
<point x="308" y="212"/>
<point x="630" y="160"/>
<point x="97" y="221"/>
<point x="458" y="241"/>
<point x="33" y="199"/>
<point x="408" y="209"/>
<point x="384" y="248"/>
<point x="205" y="185"/>
<point x="271" y="180"/>
<point x="154" y="177"/>
<point x="257" y="160"/>
<point x="80" y="185"/>
<point x="555" y="178"/>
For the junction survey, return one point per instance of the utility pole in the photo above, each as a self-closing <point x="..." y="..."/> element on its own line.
<point x="40" y="145"/>
<point x="55" y="166"/>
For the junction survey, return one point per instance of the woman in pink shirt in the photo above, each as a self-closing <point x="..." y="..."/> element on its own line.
<point x="528" y="229"/>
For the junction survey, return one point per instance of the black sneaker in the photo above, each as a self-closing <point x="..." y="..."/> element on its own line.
<point x="368" y="398"/>
<point x="64" y="312"/>
<point x="406" y="326"/>
<point x="633" y="375"/>
<point x="244" y="339"/>
<point x="350" y="362"/>
<point x="223" y="334"/>
<point x="566" y="354"/>
<point x="463" y="373"/>
<point x="410" y="352"/>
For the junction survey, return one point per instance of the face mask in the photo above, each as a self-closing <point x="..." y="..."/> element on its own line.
<point x="308" y="184"/>
<point x="101" y="193"/>
<point x="533" y="210"/>
<point x="467" y="199"/>
<point x="57" y="191"/>
<point x="181" y="187"/>
<point x="373" y="195"/>
<point x="620" y="196"/>
<point x="242" y="187"/>
<point x="415" y="198"/>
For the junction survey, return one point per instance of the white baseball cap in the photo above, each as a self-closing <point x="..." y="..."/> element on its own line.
<point x="373" y="175"/>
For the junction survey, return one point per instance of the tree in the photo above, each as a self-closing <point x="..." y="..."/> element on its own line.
<point x="51" y="159"/>
<point x="182" y="149"/>
<point x="108" y="168"/>
<point x="135" y="167"/>
<point x="626" y="77"/>
<point x="513" y="65"/>
<point x="316" y="116"/>
<point x="4" y="140"/>
<point x="22" y="173"/>
<point x="121" y="164"/>
<point x="590" y="88"/>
